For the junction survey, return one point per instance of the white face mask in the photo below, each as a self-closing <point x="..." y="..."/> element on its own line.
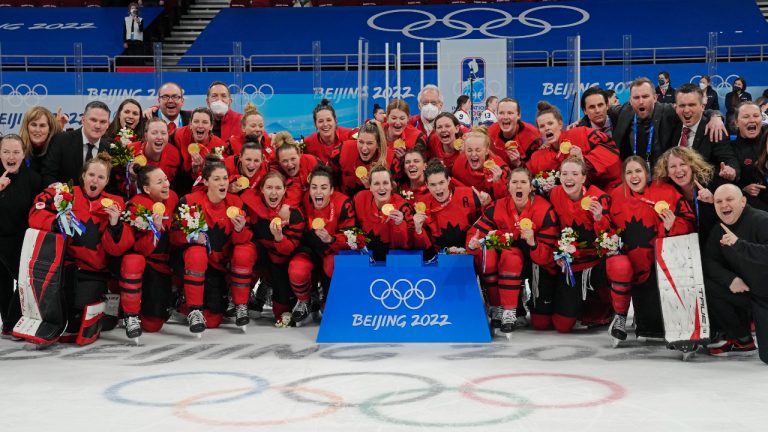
<point x="219" y="108"/>
<point x="429" y="111"/>
<point x="703" y="86"/>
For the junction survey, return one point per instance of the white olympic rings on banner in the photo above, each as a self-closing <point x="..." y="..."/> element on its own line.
<point x="392" y="296"/>
<point x="258" y="95"/>
<point x="466" y="28"/>
<point x="24" y="94"/>
<point x="717" y="81"/>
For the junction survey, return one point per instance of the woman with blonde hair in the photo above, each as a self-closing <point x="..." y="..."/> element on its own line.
<point x="356" y="158"/>
<point x="251" y="128"/>
<point x="37" y="128"/>
<point x="480" y="168"/>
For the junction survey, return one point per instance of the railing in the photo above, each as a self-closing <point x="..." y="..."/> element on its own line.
<point x="602" y="57"/>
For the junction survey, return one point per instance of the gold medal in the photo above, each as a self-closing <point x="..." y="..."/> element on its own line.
<point x="243" y="182"/>
<point x="586" y="202"/>
<point x="489" y="164"/>
<point x="661" y="206"/>
<point x="399" y="143"/>
<point x="511" y="145"/>
<point x="387" y="209"/>
<point x="318" y="223"/>
<point x="106" y="202"/>
<point x="458" y="143"/>
<point x="193" y="149"/>
<point x="565" y="147"/>
<point x="526" y="223"/>
<point x="277" y="222"/>
<point x="158" y="208"/>
<point x="140" y="160"/>
<point x="361" y="172"/>
<point x="420" y="207"/>
<point x="233" y="212"/>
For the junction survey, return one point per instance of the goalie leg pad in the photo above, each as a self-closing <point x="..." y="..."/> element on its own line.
<point x="90" y="328"/>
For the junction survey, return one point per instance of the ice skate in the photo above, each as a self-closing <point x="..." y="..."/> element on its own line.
<point x="257" y="300"/>
<point x="300" y="313"/>
<point x="496" y="312"/>
<point x="132" y="326"/>
<point x="508" y="319"/>
<point x="196" y="322"/>
<point x="241" y="316"/>
<point x="230" y="312"/>
<point x="618" y="330"/>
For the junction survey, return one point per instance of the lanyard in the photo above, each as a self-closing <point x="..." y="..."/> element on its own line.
<point x="634" y="140"/>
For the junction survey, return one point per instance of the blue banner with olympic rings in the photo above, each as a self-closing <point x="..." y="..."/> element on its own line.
<point x="404" y="300"/>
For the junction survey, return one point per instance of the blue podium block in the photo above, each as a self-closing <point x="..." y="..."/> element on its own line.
<point x="404" y="300"/>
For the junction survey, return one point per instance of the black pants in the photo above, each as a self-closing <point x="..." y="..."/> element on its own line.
<point x="10" y="308"/>
<point x="647" y="304"/>
<point x="730" y="312"/>
<point x="760" y="315"/>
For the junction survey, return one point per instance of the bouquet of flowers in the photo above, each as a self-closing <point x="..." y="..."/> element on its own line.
<point x="495" y="240"/>
<point x="62" y="201"/>
<point x="608" y="243"/>
<point x="191" y="221"/>
<point x="141" y="219"/>
<point x="356" y="239"/>
<point x="118" y="148"/>
<point x="567" y="247"/>
<point x="453" y="250"/>
<point x="408" y="195"/>
<point x="218" y="151"/>
<point x="546" y="180"/>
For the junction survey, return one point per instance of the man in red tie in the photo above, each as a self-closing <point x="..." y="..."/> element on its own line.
<point x="689" y="107"/>
<point x="170" y="100"/>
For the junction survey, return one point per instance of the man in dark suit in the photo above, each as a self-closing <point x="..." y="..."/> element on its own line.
<point x="690" y="133"/>
<point x="594" y="103"/>
<point x="69" y="150"/>
<point x="170" y="100"/>
<point x="645" y="127"/>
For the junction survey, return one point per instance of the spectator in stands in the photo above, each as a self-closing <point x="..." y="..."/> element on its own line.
<point x="689" y="133"/>
<point x="430" y="105"/>
<point x="170" y="99"/>
<point x="735" y="273"/>
<point x="226" y="122"/>
<point x="133" y="34"/>
<point x="69" y="150"/>
<point x="645" y="127"/>
<point x="37" y="129"/>
<point x="594" y="103"/>
<point x="380" y="115"/>
<point x="664" y="91"/>
<point x="733" y="99"/>
<point x="613" y="100"/>
<point x="712" y="103"/>
<point x="489" y="115"/>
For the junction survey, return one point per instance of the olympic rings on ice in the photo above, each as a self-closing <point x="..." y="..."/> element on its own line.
<point x="392" y="297"/>
<point x="465" y="28"/>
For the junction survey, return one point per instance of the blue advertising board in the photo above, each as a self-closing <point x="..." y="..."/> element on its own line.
<point x="404" y="300"/>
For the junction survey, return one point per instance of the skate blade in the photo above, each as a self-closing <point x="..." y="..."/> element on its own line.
<point x="244" y="328"/>
<point x="615" y="342"/>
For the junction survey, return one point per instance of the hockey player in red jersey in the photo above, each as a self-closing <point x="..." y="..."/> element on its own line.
<point x="386" y="217"/>
<point x="194" y="142"/>
<point x="477" y="167"/>
<point x="643" y="211"/>
<point x="295" y="167"/>
<point x="446" y="143"/>
<point x="102" y="235"/>
<point x="247" y="168"/>
<point x="356" y="158"/>
<point x="276" y="236"/>
<point x="532" y="226"/>
<point x="583" y="209"/>
<point x="328" y="214"/>
<point x="448" y="212"/>
<point x="512" y="139"/>
<point x="251" y="125"/>
<point x="217" y="259"/>
<point x="145" y="271"/>
<point x="155" y="151"/>
<point x="326" y="142"/>
<point x="414" y="187"/>
<point x="596" y="148"/>
<point x="400" y="135"/>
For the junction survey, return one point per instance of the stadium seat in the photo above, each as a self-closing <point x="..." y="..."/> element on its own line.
<point x="71" y="3"/>
<point x="282" y="3"/>
<point x="323" y="3"/>
<point x="240" y="3"/>
<point x="49" y="3"/>
<point x="346" y="2"/>
<point x="92" y="3"/>
<point x="414" y="2"/>
<point x="382" y="3"/>
<point x="261" y="3"/>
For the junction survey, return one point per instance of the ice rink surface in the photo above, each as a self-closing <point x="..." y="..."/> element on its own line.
<point x="279" y="379"/>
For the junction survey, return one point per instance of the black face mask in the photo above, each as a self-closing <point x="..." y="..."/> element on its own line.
<point x="662" y="82"/>
<point x="737" y="89"/>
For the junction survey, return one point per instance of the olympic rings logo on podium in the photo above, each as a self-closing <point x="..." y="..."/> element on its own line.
<point x="24" y="94"/>
<point x="466" y="28"/>
<point x="258" y="95"/>
<point x="402" y="292"/>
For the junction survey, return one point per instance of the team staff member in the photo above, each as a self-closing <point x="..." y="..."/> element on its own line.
<point x="328" y="213"/>
<point x="735" y="273"/>
<point x="430" y="101"/>
<point x="37" y="129"/>
<point x="532" y="224"/>
<point x="87" y="254"/>
<point x="225" y="249"/>
<point x="512" y="139"/>
<point x="324" y="143"/>
<point x="145" y="271"/>
<point x="18" y="187"/>
<point x="226" y="121"/>
<point x="643" y="212"/>
<point x="276" y="236"/>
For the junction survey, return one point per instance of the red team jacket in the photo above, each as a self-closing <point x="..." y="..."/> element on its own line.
<point x="527" y="137"/>
<point x="157" y="253"/>
<point x="448" y="223"/>
<point x="640" y="225"/>
<point x="338" y="215"/>
<point x="480" y="180"/>
<point x="233" y="163"/>
<point x="384" y="233"/>
<point x="170" y="158"/>
<point x="91" y="250"/>
<point x="347" y="160"/>
<point x="323" y="151"/>
<point x="296" y="186"/>
<point x="236" y="142"/>
<point x="260" y="215"/>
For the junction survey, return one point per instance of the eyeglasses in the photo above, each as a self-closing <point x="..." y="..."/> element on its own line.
<point x="171" y="97"/>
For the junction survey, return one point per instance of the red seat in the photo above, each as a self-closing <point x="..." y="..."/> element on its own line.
<point x="261" y="3"/>
<point x="240" y="3"/>
<point x="71" y="3"/>
<point x="347" y="2"/>
<point x="49" y="3"/>
<point x="323" y="3"/>
<point x="92" y="3"/>
<point x="282" y="3"/>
